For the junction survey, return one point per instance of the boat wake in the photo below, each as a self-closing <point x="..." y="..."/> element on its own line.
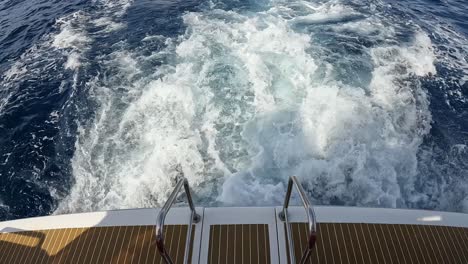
<point x="241" y="101"/>
<point x="241" y="96"/>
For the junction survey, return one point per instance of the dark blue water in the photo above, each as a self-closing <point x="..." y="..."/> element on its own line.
<point x="72" y="74"/>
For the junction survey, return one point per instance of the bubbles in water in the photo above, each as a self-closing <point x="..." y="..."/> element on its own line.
<point x="243" y="100"/>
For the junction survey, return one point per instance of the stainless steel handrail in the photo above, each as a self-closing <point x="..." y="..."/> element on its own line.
<point x="194" y="218"/>
<point x="283" y="215"/>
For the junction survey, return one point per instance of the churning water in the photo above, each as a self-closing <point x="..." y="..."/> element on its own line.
<point x="101" y="101"/>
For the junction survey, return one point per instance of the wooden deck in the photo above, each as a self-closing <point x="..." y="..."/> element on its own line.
<point x="248" y="244"/>
<point x="239" y="244"/>
<point x="115" y="244"/>
<point x="384" y="243"/>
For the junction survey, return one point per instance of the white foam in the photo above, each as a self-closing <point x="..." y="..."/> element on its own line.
<point x="72" y="38"/>
<point x="73" y="61"/>
<point x="326" y="13"/>
<point x="71" y="35"/>
<point x="15" y="71"/>
<point x="241" y="107"/>
<point x="156" y="129"/>
<point x="370" y="26"/>
<point x="109" y="24"/>
<point x="115" y="7"/>
<point x="159" y="128"/>
<point x="346" y="145"/>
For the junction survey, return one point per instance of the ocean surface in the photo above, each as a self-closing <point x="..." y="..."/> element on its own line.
<point x="103" y="101"/>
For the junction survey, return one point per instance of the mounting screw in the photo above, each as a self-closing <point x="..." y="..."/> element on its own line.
<point x="196" y="218"/>
<point x="281" y="216"/>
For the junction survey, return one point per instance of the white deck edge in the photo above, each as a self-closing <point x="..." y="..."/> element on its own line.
<point x="239" y="215"/>
<point x="341" y="214"/>
<point x="180" y="215"/>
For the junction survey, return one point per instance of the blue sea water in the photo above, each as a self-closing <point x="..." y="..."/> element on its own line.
<point x="100" y="101"/>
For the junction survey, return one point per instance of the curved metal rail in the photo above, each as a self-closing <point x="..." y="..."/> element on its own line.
<point x="194" y="218"/>
<point x="283" y="215"/>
